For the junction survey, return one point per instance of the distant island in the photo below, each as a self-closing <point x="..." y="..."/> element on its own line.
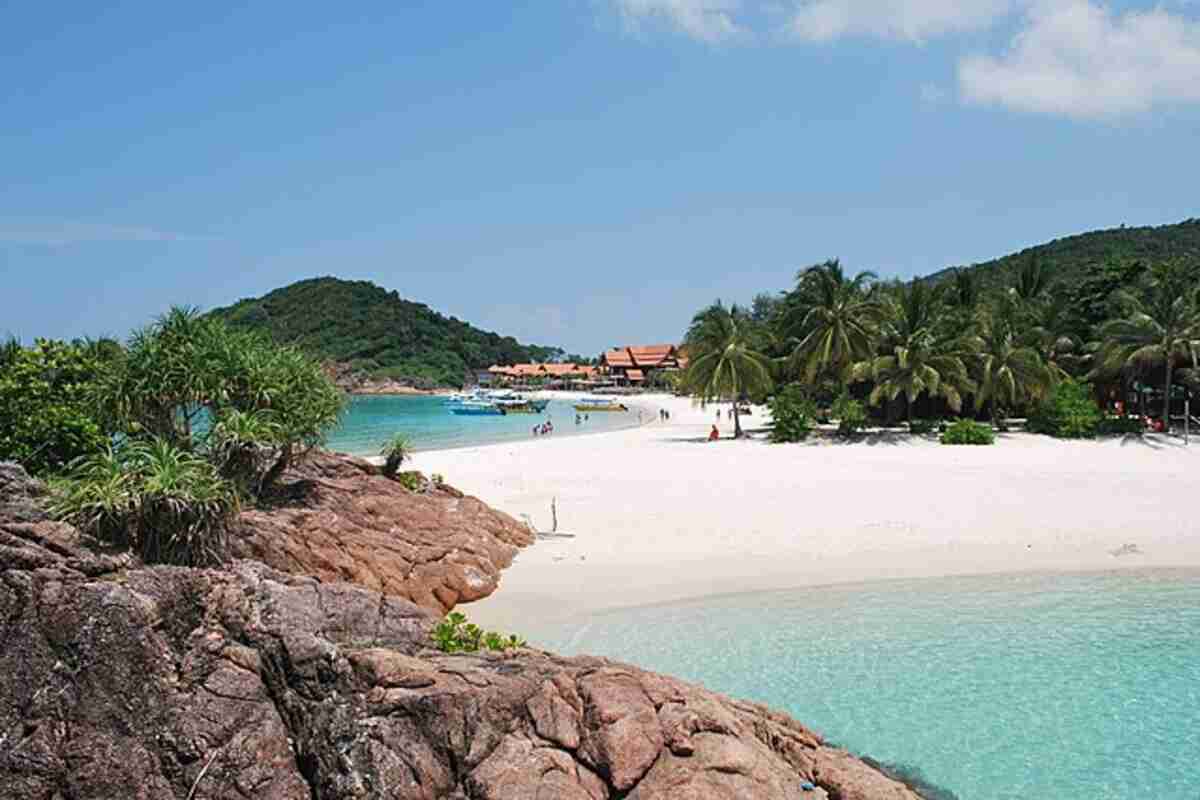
<point x="373" y="334"/>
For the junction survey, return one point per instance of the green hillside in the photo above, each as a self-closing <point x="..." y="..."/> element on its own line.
<point x="1068" y="260"/>
<point x="376" y="332"/>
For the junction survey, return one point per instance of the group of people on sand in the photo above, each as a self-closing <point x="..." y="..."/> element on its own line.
<point x="545" y="429"/>
<point x="664" y="415"/>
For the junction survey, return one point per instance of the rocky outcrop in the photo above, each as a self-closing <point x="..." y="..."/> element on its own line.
<point x="247" y="682"/>
<point x="344" y="521"/>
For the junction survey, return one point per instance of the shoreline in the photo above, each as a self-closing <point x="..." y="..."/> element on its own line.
<point x="655" y="515"/>
<point x="564" y="433"/>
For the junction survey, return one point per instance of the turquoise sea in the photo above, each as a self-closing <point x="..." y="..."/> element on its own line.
<point x="371" y="420"/>
<point x="1075" y="687"/>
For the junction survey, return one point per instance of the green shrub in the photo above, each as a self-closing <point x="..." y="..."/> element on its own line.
<point x="923" y="427"/>
<point x="395" y="451"/>
<point x="1069" y="412"/>
<point x="412" y="480"/>
<point x="968" y="431"/>
<point x="438" y="479"/>
<point x="455" y="635"/>
<point x="793" y="414"/>
<point x="850" y="414"/>
<point x="252" y="406"/>
<point x="168" y="505"/>
<point x="1122" y="426"/>
<point x="46" y="419"/>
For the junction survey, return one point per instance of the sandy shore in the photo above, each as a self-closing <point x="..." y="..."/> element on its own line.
<point x="657" y="514"/>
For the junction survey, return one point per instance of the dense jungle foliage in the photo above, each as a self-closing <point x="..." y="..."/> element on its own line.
<point x="376" y="332"/>
<point x="1117" y="312"/>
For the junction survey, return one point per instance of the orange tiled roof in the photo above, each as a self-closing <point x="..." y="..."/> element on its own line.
<point x="652" y="355"/>
<point x="619" y="358"/>
<point x="635" y="375"/>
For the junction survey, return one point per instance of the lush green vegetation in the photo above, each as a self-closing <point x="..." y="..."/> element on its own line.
<point x="1104" y="314"/>
<point x="395" y="451"/>
<point x="1070" y="412"/>
<point x="1069" y="261"/>
<point x="968" y="431"/>
<point x="726" y="348"/>
<point x="793" y="414"/>
<point x="187" y="421"/>
<point x="455" y="635"/>
<point x="167" y="504"/>
<point x="377" y="333"/>
<point x="46" y="418"/>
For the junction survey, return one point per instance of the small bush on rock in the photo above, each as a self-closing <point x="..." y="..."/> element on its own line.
<point x="412" y="480"/>
<point x="395" y="452"/>
<point x="967" y="431"/>
<point x="455" y="635"/>
<point x="168" y="505"/>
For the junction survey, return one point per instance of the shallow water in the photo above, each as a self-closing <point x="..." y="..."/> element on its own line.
<point x="1035" y="686"/>
<point x="371" y="420"/>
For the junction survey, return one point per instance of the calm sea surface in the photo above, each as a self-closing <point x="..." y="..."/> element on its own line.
<point x="1081" y="687"/>
<point x="371" y="420"/>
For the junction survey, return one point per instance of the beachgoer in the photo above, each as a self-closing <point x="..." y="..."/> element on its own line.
<point x="714" y="434"/>
<point x="535" y="430"/>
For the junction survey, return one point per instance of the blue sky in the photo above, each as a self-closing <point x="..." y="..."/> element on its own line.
<point x="574" y="172"/>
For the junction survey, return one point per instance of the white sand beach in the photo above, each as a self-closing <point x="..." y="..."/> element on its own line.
<point x="657" y="514"/>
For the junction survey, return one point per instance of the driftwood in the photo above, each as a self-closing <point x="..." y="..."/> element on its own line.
<point x="553" y="532"/>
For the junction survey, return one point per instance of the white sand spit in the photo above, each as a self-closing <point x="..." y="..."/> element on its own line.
<point x="656" y="514"/>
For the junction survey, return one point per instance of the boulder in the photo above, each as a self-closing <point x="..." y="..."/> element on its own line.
<point x="340" y="519"/>
<point x="120" y="681"/>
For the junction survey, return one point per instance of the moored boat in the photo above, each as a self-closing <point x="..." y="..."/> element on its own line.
<point x="589" y="404"/>
<point x="477" y="408"/>
<point x="523" y="406"/>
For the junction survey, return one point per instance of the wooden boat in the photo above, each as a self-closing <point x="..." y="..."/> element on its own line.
<point x="522" y="406"/>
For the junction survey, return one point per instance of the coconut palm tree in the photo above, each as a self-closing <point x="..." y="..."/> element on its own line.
<point x="831" y="320"/>
<point x="725" y="347"/>
<point x="1160" y="323"/>
<point x="918" y="354"/>
<point x="1008" y="372"/>
<point x="1032" y="282"/>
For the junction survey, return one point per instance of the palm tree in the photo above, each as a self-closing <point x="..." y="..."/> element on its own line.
<point x="916" y="355"/>
<point x="1008" y="372"/>
<point x="1031" y="282"/>
<point x="727" y="360"/>
<point x="1162" y="318"/>
<point x="831" y="320"/>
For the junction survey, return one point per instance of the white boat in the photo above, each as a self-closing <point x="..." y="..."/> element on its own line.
<point x="476" y="408"/>
<point x="600" y="404"/>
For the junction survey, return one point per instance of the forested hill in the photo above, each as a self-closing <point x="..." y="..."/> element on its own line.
<point x="376" y="332"/>
<point x="1067" y="260"/>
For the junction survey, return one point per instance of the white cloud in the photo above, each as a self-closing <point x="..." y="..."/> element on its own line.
<point x="912" y="20"/>
<point x="706" y="20"/>
<point x="1083" y="60"/>
<point x="57" y="234"/>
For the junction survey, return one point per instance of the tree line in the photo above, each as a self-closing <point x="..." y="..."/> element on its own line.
<point x="955" y="345"/>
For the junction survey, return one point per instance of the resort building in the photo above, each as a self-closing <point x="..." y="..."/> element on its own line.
<point x="636" y="365"/>
<point x="550" y="376"/>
